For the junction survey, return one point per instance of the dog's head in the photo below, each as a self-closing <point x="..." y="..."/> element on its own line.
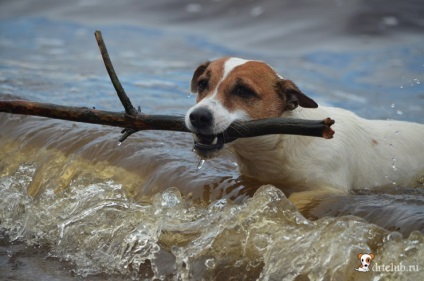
<point x="230" y="89"/>
<point x="366" y="259"/>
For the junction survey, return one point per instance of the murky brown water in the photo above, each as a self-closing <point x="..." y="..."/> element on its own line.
<point x="75" y="205"/>
<point x="142" y="209"/>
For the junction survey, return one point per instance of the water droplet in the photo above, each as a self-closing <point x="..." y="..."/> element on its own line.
<point x="394" y="167"/>
<point x="394" y="159"/>
<point x="171" y="197"/>
<point x="395" y="236"/>
<point x="257" y="11"/>
<point x="394" y="183"/>
<point x="210" y="263"/>
<point x="119" y="143"/>
<point x="393" y="105"/>
<point x="200" y="165"/>
<point x="218" y="205"/>
<point x="401" y="87"/>
<point x="390" y="21"/>
<point x="49" y="192"/>
<point x="400" y="112"/>
<point x="193" y="8"/>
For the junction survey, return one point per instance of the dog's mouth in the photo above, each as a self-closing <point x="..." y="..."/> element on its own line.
<point x="207" y="146"/>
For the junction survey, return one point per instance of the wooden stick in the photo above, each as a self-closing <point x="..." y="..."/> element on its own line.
<point x="289" y="126"/>
<point x="313" y="128"/>
<point x="133" y="120"/>
<point x="125" y="100"/>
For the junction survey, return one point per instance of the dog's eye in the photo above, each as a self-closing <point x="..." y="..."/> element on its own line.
<point x="244" y="92"/>
<point x="202" y="85"/>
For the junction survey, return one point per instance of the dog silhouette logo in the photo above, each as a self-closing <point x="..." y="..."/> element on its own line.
<point x="365" y="262"/>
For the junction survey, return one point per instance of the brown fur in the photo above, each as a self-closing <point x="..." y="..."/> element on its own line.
<point x="273" y="94"/>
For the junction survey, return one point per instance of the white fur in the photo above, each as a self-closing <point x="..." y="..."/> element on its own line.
<point x="222" y="117"/>
<point x="362" y="154"/>
<point x="232" y="63"/>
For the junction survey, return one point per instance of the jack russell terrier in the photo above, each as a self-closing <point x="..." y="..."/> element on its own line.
<point x="365" y="262"/>
<point x="363" y="153"/>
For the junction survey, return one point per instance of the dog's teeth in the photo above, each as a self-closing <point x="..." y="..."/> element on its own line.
<point x="215" y="141"/>
<point x="196" y="138"/>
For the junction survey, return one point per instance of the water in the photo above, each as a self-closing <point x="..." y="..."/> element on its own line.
<point x="77" y="205"/>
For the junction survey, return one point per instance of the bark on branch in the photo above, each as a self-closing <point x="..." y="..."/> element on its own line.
<point x="138" y="122"/>
<point x="125" y="100"/>
<point x="133" y="120"/>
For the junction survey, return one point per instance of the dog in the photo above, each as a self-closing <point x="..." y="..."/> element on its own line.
<point x="363" y="154"/>
<point x="365" y="262"/>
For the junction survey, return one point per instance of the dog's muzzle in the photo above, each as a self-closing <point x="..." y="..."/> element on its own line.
<point x="206" y="142"/>
<point x="206" y="146"/>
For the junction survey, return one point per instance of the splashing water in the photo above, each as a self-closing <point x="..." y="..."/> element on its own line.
<point x="200" y="164"/>
<point x="101" y="232"/>
<point x="143" y="211"/>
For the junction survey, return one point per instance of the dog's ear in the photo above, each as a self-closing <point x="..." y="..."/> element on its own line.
<point x="199" y="71"/>
<point x="372" y="256"/>
<point x="293" y="96"/>
<point x="360" y="255"/>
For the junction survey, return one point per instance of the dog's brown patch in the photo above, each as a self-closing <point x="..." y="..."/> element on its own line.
<point x="212" y="72"/>
<point x="260" y="79"/>
<point x="268" y="94"/>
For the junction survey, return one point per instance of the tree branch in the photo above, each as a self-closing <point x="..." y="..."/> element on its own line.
<point x="125" y="100"/>
<point x="133" y="120"/>
<point x="313" y="128"/>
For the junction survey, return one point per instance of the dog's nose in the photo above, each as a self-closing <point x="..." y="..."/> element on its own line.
<point x="201" y="118"/>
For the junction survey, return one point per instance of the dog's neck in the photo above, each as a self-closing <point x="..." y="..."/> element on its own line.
<point x="258" y="156"/>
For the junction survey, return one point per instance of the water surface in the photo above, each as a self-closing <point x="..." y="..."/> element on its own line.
<point x="76" y="205"/>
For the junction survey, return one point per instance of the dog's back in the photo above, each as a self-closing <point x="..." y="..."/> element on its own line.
<point x="362" y="154"/>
